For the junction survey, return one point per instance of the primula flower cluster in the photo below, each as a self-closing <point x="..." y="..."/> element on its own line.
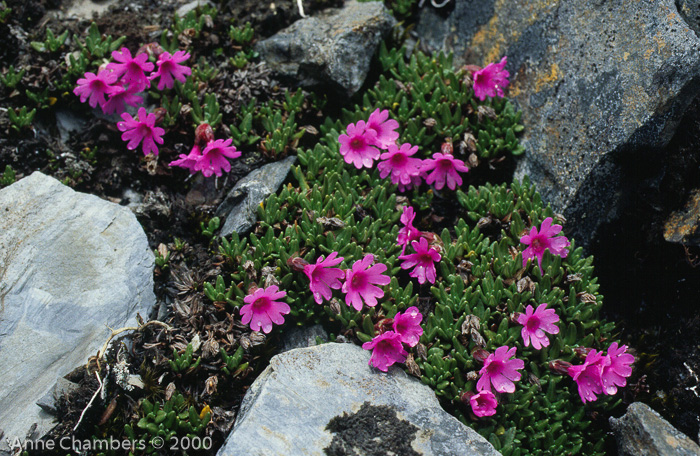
<point x="499" y="372"/>
<point x="388" y="347"/>
<point x="262" y="308"/>
<point x="425" y="256"/>
<point x="544" y="239"/>
<point x="602" y="373"/>
<point x="359" y="283"/>
<point x="116" y="86"/>
<point x="362" y="143"/>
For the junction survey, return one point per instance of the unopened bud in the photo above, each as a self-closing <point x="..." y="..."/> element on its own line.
<point x="582" y="352"/>
<point x="160" y="114"/>
<point x="297" y="263"/>
<point x="446" y="148"/>
<point x="384" y="325"/>
<point x="480" y="354"/>
<point x="203" y="134"/>
<point x="465" y="397"/>
<point x="559" y="366"/>
<point x="152" y="49"/>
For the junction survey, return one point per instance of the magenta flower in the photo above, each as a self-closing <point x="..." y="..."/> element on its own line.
<point x="324" y="276"/>
<point x="536" y="324"/>
<point x="422" y="262"/>
<point x="407" y="325"/>
<point x="537" y="242"/>
<point x="214" y="155"/>
<point x="615" y="374"/>
<point x="500" y="371"/>
<point x="407" y="233"/>
<point x="484" y="403"/>
<point x="588" y="375"/>
<point x="132" y="70"/>
<point x="262" y="308"/>
<point x="358" y="145"/>
<point x="399" y="164"/>
<point x="143" y="129"/>
<point x="444" y="170"/>
<point x="491" y="81"/>
<point x="385" y="129"/>
<point x="360" y="282"/>
<point x="188" y="161"/>
<point x="169" y="69"/>
<point x="119" y="99"/>
<point x="96" y="87"/>
<point x="387" y="349"/>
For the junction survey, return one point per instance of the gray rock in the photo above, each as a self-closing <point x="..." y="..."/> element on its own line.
<point x="690" y="10"/>
<point x="642" y="431"/>
<point x="61" y="388"/>
<point x="240" y="207"/>
<point x="191" y="6"/>
<point x="599" y="84"/>
<point x="333" y="48"/>
<point x="70" y="263"/>
<point x="302" y="337"/>
<point x="286" y="410"/>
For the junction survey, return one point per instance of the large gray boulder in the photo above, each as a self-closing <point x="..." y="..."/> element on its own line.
<point x="332" y="49"/>
<point x="288" y="408"/>
<point x="642" y="431"/>
<point x="70" y="263"/>
<point x="240" y="207"/>
<point x="600" y="83"/>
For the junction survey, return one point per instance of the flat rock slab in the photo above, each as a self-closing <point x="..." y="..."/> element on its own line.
<point x="240" y="207"/>
<point x="596" y="81"/>
<point x="288" y="408"/>
<point x="70" y="263"/>
<point x="642" y="431"/>
<point x="332" y="49"/>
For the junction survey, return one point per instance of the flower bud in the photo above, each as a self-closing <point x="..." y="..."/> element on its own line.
<point x="480" y="355"/>
<point x="203" y="134"/>
<point x="465" y="396"/>
<point x="384" y="325"/>
<point x="559" y="366"/>
<point x="152" y="49"/>
<point x="297" y="263"/>
<point x="160" y="115"/>
<point x="446" y="148"/>
<point x="582" y="352"/>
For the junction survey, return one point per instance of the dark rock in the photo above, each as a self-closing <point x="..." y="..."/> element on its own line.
<point x="682" y="226"/>
<point x="240" y="207"/>
<point x="302" y="337"/>
<point x="332" y="49"/>
<point x="598" y="82"/>
<point x="304" y="400"/>
<point x="690" y="10"/>
<point x="71" y="264"/>
<point x="642" y="431"/>
<point x="62" y="388"/>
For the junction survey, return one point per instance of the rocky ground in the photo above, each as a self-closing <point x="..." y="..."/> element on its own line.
<point x="611" y="139"/>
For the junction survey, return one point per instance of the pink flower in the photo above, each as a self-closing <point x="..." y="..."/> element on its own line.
<point x="170" y="70"/>
<point x="214" y="155"/>
<point x="143" y="129"/>
<point x="188" y="161"/>
<point x="385" y="129"/>
<point x="407" y="325"/>
<point x="491" y="80"/>
<point x="538" y="242"/>
<point x="262" y="309"/>
<point x="132" y="70"/>
<point x="408" y="232"/>
<point x="484" y="403"/>
<point x="615" y="374"/>
<point x="387" y="349"/>
<point x="357" y="146"/>
<point x="96" y="87"/>
<point x="423" y="261"/>
<point x="360" y="282"/>
<point x="399" y="164"/>
<point x="536" y="324"/>
<point x="588" y="375"/>
<point x="323" y="277"/>
<point x="119" y="99"/>
<point x="444" y="167"/>
<point x="500" y="371"/>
